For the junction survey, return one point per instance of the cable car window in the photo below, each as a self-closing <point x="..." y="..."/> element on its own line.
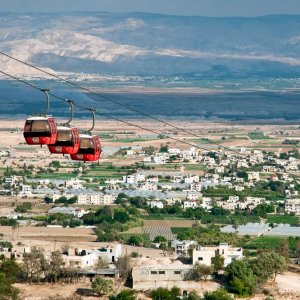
<point x="86" y="143"/>
<point x="40" y="126"/>
<point x="64" y="135"/>
<point x="86" y="146"/>
<point x="27" y="126"/>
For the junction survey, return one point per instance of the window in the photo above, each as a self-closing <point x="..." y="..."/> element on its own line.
<point x="40" y="126"/>
<point x="200" y="258"/>
<point x="64" y="135"/>
<point x="86" y="143"/>
<point x="161" y="272"/>
<point x="153" y="272"/>
<point x="177" y="272"/>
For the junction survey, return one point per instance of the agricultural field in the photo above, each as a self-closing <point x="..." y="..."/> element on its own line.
<point x="272" y="243"/>
<point x="130" y="140"/>
<point x="55" y="176"/>
<point x="283" y="219"/>
<point x="108" y="171"/>
<point x="257" y="135"/>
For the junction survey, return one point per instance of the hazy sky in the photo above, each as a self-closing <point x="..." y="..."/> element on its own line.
<point x="176" y="7"/>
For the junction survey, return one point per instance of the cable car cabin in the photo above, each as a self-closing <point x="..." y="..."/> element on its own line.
<point x="90" y="148"/>
<point x="67" y="141"/>
<point x="40" y="131"/>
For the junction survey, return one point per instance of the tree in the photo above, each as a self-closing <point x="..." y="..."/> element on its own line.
<point x="48" y="200"/>
<point x="201" y="271"/>
<point x="24" y="207"/>
<point x="160" y="294"/>
<point x="120" y="215"/>
<point x="298" y="251"/>
<point x="192" y="296"/>
<point x="123" y="264"/>
<point x="9" y="270"/>
<point x="124" y="295"/>
<point x="34" y="264"/>
<point x="240" y="277"/>
<point x="220" y="294"/>
<point x="175" y="292"/>
<point x="284" y="249"/>
<point x="7" y="290"/>
<point x="218" y="263"/>
<point x="102" y="286"/>
<point x="267" y="264"/>
<point x="135" y="240"/>
<point x="164" y="148"/>
<point x="55" y="266"/>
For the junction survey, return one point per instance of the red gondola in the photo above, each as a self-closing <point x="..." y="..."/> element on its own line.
<point x="41" y="130"/>
<point x="90" y="148"/>
<point x="68" y="140"/>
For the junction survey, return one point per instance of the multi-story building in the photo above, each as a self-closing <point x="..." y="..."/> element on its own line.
<point x="204" y="255"/>
<point x="292" y="206"/>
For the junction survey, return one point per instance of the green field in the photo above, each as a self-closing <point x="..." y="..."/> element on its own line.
<point x="190" y="167"/>
<point x="107" y="171"/>
<point x="130" y="140"/>
<point x="284" y="219"/>
<point x="55" y="175"/>
<point x="272" y="243"/>
<point x="257" y="135"/>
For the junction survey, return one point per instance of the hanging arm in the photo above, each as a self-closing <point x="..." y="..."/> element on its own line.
<point x="93" y="111"/>
<point x="71" y="103"/>
<point x="46" y="91"/>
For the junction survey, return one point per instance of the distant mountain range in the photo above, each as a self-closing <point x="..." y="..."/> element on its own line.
<point x="152" y="44"/>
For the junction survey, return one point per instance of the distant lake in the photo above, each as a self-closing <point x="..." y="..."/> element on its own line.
<point x="268" y="107"/>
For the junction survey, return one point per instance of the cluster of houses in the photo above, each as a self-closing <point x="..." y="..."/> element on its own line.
<point x="145" y="273"/>
<point x="167" y="188"/>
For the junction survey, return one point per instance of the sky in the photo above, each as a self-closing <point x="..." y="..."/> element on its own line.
<point x="212" y="8"/>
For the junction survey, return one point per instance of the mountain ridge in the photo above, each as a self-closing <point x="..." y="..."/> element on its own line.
<point x="152" y="44"/>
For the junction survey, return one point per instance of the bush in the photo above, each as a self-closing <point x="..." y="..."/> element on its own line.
<point x="220" y="294"/>
<point x="24" y="207"/>
<point x="124" y="295"/>
<point x="165" y="294"/>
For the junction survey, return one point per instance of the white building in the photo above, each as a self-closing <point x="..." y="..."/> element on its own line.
<point x="204" y="255"/>
<point x="191" y="179"/>
<point x="74" y="183"/>
<point x="206" y="203"/>
<point x="253" y="176"/>
<point x="174" y="151"/>
<point x="182" y="247"/>
<point x="108" y="254"/>
<point x="26" y="190"/>
<point x="155" y="203"/>
<point x="292" y="206"/>
<point x="189" y="204"/>
<point x="134" y="178"/>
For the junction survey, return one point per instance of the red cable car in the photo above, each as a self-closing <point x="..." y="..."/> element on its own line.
<point x="68" y="140"/>
<point x="90" y="147"/>
<point x="41" y="130"/>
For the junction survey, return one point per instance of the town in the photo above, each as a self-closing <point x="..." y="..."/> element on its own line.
<point x="155" y="217"/>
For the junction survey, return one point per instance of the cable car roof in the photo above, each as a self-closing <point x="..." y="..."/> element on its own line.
<point x="38" y="118"/>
